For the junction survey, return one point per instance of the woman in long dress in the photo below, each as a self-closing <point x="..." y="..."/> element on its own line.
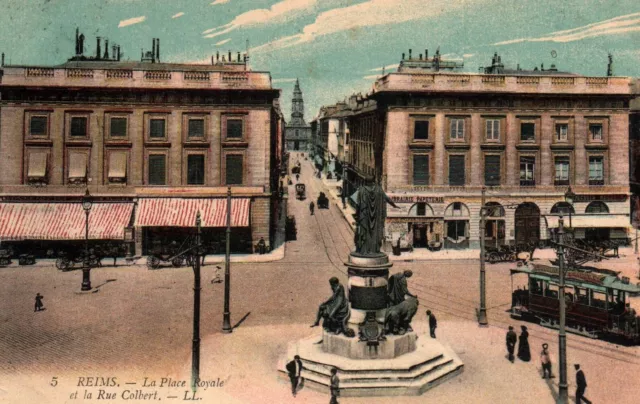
<point x="524" y="353"/>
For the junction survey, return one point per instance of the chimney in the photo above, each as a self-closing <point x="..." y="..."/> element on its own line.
<point x="158" y="50"/>
<point x="77" y="41"/>
<point x="238" y="57"/>
<point x="409" y="54"/>
<point x="153" y="51"/>
<point x="2" y="59"/>
<point x="106" y="49"/>
<point x="421" y="56"/>
<point x="217" y="56"/>
<point x="426" y="54"/>
<point x="114" y="55"/>
<point x="211" y="59"/>
<point x="119" y="53"/>
<point x="229" y="59"/>
<point x="98" y="48"/>
<point x="403" y="56"/>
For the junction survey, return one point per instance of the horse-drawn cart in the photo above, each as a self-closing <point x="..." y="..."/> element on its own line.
<point x="301" y="192"/>
<point x="172" y="253"/>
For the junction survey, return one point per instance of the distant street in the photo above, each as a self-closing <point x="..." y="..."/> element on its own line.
<point x="137" y="324"/>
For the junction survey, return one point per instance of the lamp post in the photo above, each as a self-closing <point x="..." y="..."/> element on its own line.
<point x="226" y="320"/>
<point x="482" y="311"/>
<point x="195" y="347"/>
<point x="563" y="395"/>
<point x="569" y="197"/>
<point x="86" y="267"/>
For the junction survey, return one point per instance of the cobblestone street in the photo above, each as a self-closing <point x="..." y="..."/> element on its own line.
<point x="137" y="323"/>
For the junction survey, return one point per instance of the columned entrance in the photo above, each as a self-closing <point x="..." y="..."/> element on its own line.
<point x="527" y="223"/>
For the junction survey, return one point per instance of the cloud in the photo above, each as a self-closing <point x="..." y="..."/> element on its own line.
<point x="387" y="67"/>
<point x="279" y="12"/>
<point x="373" y="76"/>
<point x="224" y="41"/>
<point x="283" y="80"/>
<point x="623" y="24"/>
<point x="220" y="2"/>
<point x="363" y="15"/>
<point x="131" y="21"/>
<point x="468" y="55"/>
<point x="180" y="14"/>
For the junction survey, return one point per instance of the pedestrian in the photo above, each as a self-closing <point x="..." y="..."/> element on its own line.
<point x="433" y="323"/>
<point x="294" y="369"/>
<point x="39" y="305"/>
<point x="581" y="385"/>
<point x="217" y="278"/>
<point x="335" y="386"/>
<point x="297" y="177"/>
<point x="311" y="207"/>
<point x="524" y="353"/>
<point x="638" y="267"/>
<point x="545" y="359"/>
<point x="511" y="342"/>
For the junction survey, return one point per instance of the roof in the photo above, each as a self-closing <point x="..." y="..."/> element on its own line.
<point x="133" y="65"/>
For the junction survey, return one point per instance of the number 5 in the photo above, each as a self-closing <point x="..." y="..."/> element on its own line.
<point x="54" y="382"/>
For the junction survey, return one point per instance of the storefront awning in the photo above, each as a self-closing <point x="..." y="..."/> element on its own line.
<point x="77" y="165"/>
<point x="37" y="165"/>
<point x="584" y="221"/>
<point x="117" y="165"/>
<point x="181" y="212"/>
<point x="63" y="221"/>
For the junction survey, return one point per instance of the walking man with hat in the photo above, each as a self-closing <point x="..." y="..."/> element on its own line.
<point x="545" y="359"/>
<point x="512" y="338"/>
<point x="581" y="385"/>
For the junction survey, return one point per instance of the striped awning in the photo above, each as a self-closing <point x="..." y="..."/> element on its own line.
<point x="63" y="221"/>
<point x="181" y="212"/>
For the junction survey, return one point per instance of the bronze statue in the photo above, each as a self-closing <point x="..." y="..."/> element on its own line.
<point x="398" y="318"/>
<point x="397" y="288"/>
<point x="334" y="311"/>
<point x="370" y="217"/>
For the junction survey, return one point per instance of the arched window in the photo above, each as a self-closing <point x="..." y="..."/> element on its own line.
<point x="457" y="209"/>
<point x="597" y="207"/>
<point x="562" y="208"/>
<point x="421" y="209"/>
<point x="494" y="209"/>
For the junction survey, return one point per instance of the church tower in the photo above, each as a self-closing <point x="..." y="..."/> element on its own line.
<point x="297" y="132"/>
<point x="297" y="107"/>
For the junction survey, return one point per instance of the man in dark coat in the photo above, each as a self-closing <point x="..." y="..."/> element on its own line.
<point x="511" y="342"/>
<point x="433" y="323"/>
<point x="294" y="369"/>
<point x="581" y="385"/>
<point x="524" y="353"/>
<point x="311" y="207"/>
<point x="335" y="310"/>
<point x="397" y="288"/>
<point x="335" y="386"/>
<point x="39" y="305"/>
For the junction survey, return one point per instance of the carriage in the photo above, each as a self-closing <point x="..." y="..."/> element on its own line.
<point x="596" y="301"/>
<point x="301" y="192"/>
<point x="174" y="253"/>
<point x="5" y="256"/>
<point x="323" y="201"/>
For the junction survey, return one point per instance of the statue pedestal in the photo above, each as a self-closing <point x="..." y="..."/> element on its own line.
<point x="392" y="347"/>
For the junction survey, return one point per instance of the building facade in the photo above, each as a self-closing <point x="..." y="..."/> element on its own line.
<point x="298" y="132"/>
<point x="156" y="142"/>
<point x="435" y="139"/>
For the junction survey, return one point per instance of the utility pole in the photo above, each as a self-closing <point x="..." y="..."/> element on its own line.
<point x="195" y="349"/>
<point x="563" y="394"/>
<point x="226" y="320"/>
<point x="482" y="312"/>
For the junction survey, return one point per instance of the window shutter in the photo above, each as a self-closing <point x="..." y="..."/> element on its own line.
<point x="156" y="129"/>
<point x="38" y="126"/>
<point x="421" y="170"/>
<point x="196" y="127"/>
<point x="456" y="170"/>
<point x="492" y="170"/>
<point x="157" y="169"/>
<point x="118" y="127"/>
<point x="234" y="128"/>
<point x="234" y="169"/>
<point x="195" y="169"/>
<point x="78" y="126"/>
<point x="421" y="130"/>
<point x="527" y="131"/>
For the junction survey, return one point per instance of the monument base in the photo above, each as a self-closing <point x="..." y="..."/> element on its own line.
<point x="430" y="364"/>
<point x="392" y="347"/>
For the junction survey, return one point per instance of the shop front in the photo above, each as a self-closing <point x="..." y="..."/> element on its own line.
<point x="456" y="222"/>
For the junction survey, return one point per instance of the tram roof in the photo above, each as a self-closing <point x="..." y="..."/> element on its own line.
<point x="586" y="279"/>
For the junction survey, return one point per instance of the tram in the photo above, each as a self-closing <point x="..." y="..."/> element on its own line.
<point x="597" y="301"/>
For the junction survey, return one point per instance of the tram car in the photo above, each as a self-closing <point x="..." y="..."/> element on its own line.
<point x="597" y="301"/>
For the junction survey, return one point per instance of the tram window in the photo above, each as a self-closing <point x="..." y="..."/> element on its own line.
<point x="581" y="296"/>
<point x="598" y="300"/>
<point x="535" y="287"/>
<point x="551" y="291"/>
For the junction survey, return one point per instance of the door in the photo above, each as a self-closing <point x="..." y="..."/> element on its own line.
<point x="419" y="236"/>
<point x="527" y="223"/>
<point x="296" y="145"/>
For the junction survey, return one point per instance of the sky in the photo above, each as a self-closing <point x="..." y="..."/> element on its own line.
<point x="334" y="47"/>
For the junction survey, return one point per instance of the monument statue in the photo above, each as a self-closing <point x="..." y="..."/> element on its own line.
<point x="370" y="217"/>
<point x="397" y="288"/>
<point x="334" y="311"/>
<point x="398" y="318"/>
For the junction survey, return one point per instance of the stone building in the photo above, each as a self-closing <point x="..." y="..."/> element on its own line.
<point x="152" y="142"/>
<point x="297" y="132"/>
<point x="435" y="138"/>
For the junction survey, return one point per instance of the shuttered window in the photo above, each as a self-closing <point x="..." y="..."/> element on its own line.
<point x="38" y="126"/>
<point x="456" y="130"/>
<point x="527" y="171"/>
<point x="234" y="128"/>
<point x="118" y="127"/>
<point x="234" y="169"/>
<point x="421" y="130"/>
<point x="456" y="170"/>
<point x="196" y="127"/>
<point x="195" y="169"/>
<point x="493" y="129"/>
<point x="596" y="171"/>
<point x="156" y="128"/>
<point x="157" y="169"/>
<point x="562" y="170"/>
<point x="492" y="170"/>
<point x="420" y="170"/>
<point x="78" y="126"/>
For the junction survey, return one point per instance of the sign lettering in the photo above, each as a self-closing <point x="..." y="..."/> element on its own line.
<point x="414" y="199"/>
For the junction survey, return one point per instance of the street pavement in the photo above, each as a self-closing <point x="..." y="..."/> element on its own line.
<point x="137" y="323"/>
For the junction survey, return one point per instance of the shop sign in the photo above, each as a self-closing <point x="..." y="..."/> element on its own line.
<point x="413" y="219"/>
<point x="414" y="199"/>
<point x="603" y="198"/>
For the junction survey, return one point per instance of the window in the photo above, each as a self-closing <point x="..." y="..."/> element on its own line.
<point x="234" y="169"/>
<point x="456" y="130"/>
<point x="456" y="170"/>
<point x="562" y="132"/>
<point x="493" y="130"/>
<point x="421" y="130"/>
<point x="562" y="170"/>
<point x="234" y="128"/>
<point x="595" y="132"/>
<point x="195" y="169"/>
<point x="78" y="126"/>
<point x="157" y="128"/>
<point x="196" y="128"/>
<point x="597" y="207"/>
<point x="78" y="167"/>
<point x="596" y="170"/>
<point x="420" y="170"/>
<point x="562" y="208"/>
<point x="527" y="132"/>
<point x="492" y="170"/>
<point x="38" y="126"/>
<point x="157" y="169"/>
<point x="527" y="171"/>
<point x="117" y="172"/>
<point x="37" y="169"/>
<point x="421" y="209"/>
<point x="118" y="127"/>
<point x="457" y="229"/>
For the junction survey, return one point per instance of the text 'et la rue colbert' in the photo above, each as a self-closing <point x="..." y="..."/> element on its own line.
<point x="147" y="392"/>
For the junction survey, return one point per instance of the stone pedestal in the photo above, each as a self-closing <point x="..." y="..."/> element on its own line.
<point x="392" y="347"/>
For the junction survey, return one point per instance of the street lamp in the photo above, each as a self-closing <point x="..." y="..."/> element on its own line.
<point x="569" y="197"/>
<point x="482" y="311"/>
<point x="226" y="319"/>
<point x="86" y="268"/>
<point x="195" y="348"/>
<point x="563" y="394"/>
